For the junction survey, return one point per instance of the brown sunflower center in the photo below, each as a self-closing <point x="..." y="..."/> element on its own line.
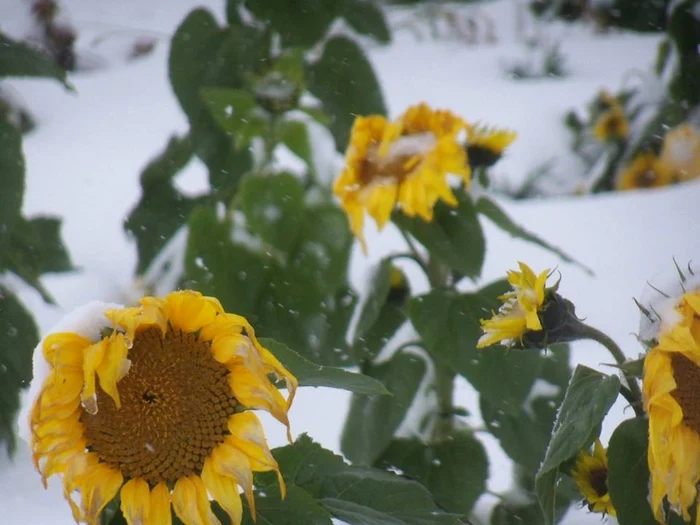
<point x="176" y="403"/>
<point x="687" y="392"/>
<point x="599" y="481"/>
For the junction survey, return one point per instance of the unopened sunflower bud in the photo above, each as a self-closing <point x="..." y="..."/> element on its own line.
<point x="485" y="146"/>
<point x="399" y="288"/>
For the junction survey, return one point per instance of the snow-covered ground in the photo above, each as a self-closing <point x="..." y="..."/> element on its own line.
<point x="84" y="158"/>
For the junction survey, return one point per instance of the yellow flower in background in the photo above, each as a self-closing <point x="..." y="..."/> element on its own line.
<point x="671" y="388"/>
<point x="485" y="146"/>
<point x="681" y="152"/>
<point x="591" y="477"/>
<point x="401" y="164"/>
<point x="157" y="411"/>
<point x="519" y="313"/>
<point x="611" y="125"/>
<point x="646" y="171"/>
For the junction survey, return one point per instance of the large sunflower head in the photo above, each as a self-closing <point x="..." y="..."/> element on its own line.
<point x="645" y="171"/>
<point x="156" y="409"/>
<point x="403" y="163"/>
<point x="671" y="385"/>
<point x="681" y="151"/>
<point x="591" y="477"/>
<point x="611" y="125"/>
<point x="520" y="311"/>
<point x="485" y="146"/>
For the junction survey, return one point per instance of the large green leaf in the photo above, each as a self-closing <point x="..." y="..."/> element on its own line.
<point x="367" y="18"/>
<point x="628" y="472"/>
<point x="390" y="318"/>
<point x="11" y="177"/>
<point x="299" y="22"/>
<point x="344" y="81"/>
<point x="448" y="323"/>
<point x="495" y="214"/>
<point x="20" y="60"/>
<point x="273" y="205"/>
<point x="297" y="507"/>
<point x="373" y="420"/>
<point x="237" y="113"/>
<point x="34" y="248"/>
<point x="378" y="293"/>
<point x="588" y="398"/>
<point x="216" y="266"/>
<point x="455" y="471"/>
<point x="18" y="337"/>
<point x="295" y="135"/>
<point x="311" y="374"/>
<point x="454" y="236"/>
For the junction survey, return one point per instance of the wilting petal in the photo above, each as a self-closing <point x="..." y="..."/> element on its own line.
<point x="229" y="461"/>
<point x="91" y="360"/>
<point x="65" y="348"/>
<point x="160" y="506"/>
<point x="114" y="366"/>
<point x="224" y="490"/>
<point x="189" y="311"/>
<point x="256" y="391"/>
<point x="98" y="486"/>
<point x="191" y="502"/>
<point x="136" y="501"/>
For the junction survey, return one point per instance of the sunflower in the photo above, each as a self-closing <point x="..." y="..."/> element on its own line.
<point x="485" y="146"/>
<point x="681" y="151"/>
<point x="403" y="163"/>
<point x="156" y="410"/>
<point x="591" y="477"/>
<point x="520" y="310"/>
<point x="646" y="171"/>
<point x="671" y="386"/>
<point x="611" y="125"/>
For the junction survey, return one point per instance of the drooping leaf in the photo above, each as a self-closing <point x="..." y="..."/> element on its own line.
<point x="11" y="177"/>
<point x="311" y="374"/>
<point x="295" y="135"/>
<point x="344" y="81"/>
<point x="378" y="294"/>
<point x="368" y="346"/>
<point x="20" y="60"/>
<point x="18" y="337"/>
<point x="628" y="472"/>
<point x="454" y="236"/>
<point x="588" y="398"/>
<point x="367" y="18"/>
<point x="495" y="214"/>
<point x="373" y="420"/>
<point x="455" y="471"/>
<point x="273" y="205"/>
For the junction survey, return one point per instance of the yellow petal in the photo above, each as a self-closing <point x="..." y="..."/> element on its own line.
<point x="65" y="348"/>
<point x="191" y="502"/>
<point x="189" y="311"/>
<point x="256" y="391"/>
<point x="92" y="358"/>
<point x="224" y="490"/>
<point x="136" y="501"/>
<point x="98" y="487"/>
<point x="114" y="366"/>
<point x="229" y="461"/>
<point x="160" y="506"/>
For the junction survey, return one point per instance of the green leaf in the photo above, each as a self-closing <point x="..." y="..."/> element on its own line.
<point x="273" y="205"/>
<point x="311" y="374"/>
<point x="367" y="18"/>
<point x="378" y="294"/>
<point x="344" y="81"/>
<point x="216" y="266"/>
<point x="300" y="23"/>
<point x="448" y="323"/>
<point x="11" y="177"/>
<point x="372" y="421"/>
<point x="628" y="472"/>
<point x="365" y="496"/>
<point x="454" y="236"/>
<point x="588" y="398"/>
<point x="317" y="114"/>
<point x="371" y="343"/>
<point x="295" y="135"/>
<point x="236" y="113"/>
<point x="20" y="60"/>
<point x="455" y="471"/>
<point x="164" y="167"/>
<point x="306" y="464"/>
<point x="18" y="337"/>
<point x="495" y="214"/>
<point x="297" y="507"/>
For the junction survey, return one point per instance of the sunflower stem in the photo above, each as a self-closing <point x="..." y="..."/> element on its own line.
<point x="632" y="392"/>
<point x="438" y="275"/>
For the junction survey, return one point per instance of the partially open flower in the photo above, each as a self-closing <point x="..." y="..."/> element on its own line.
<point x="611" y="125"/>
<point x="681" y="152"/>
<point x="646" y="171"/>
<point x="404" y="164"/>
<point x="591" y="477"/>
<point x="485" y="146"/>
<point x="671" y="387"/>
<point x="157" y="409"/>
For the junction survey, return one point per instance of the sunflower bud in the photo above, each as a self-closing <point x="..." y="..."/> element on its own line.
<point x="399" y="287"/>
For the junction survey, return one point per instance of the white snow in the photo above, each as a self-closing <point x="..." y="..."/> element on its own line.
<point x="84" y="158"/>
